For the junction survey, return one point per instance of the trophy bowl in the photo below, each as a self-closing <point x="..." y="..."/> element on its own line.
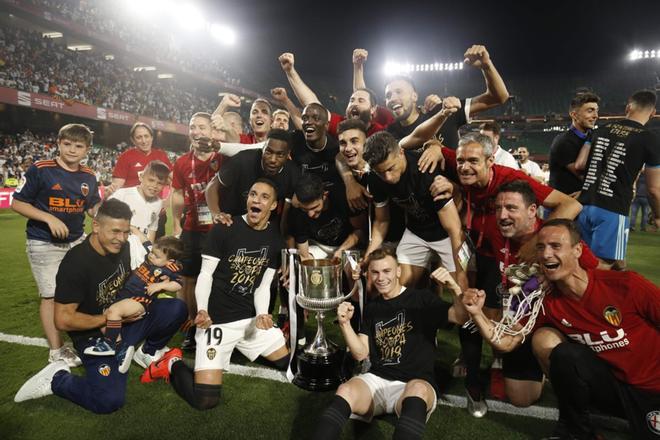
<point x="320" y="291"/>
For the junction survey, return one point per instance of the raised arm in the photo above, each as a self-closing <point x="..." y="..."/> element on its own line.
<point x="496" y="92"/>
<point x="280" y="95"/>
<point x="358" y="344"/>
<point x="562" y="205"/>
<point x="305" y="95"/>
<point x="359" y="57"/>
<point x="473" y="301"/>
<point x="427" y="129"/>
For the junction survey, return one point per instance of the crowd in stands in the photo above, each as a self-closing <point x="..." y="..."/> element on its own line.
<point x="31" y="63"/>
<point x="148" y="37"/>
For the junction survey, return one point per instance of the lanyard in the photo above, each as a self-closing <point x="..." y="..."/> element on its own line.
<point x="578" y="133"/>
<point x="507" y="252"/>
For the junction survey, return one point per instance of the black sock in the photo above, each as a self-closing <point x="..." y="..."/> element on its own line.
<point x="412" y="421"/>
<point x="333" y="419"/>
<point x="282" y="363"/>
<point x="112" y="330"/>
<point x="471" y="350"/>
<point x="198" y="395"/>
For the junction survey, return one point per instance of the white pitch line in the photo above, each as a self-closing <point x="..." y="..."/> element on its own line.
<point x="535" y="411"/>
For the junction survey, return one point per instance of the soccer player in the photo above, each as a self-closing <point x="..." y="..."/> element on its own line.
<point x="239" y="263"/>
<point x="227" y="193"/>
<point x="191" y="173"/>
<point x="260" y="119"/>
<point x="323" y="226"/>
<point x="432" y="226"/>
<point x="402" y="99"/>
<point x="88" y="280"/>
<point x="565" y="148"/>
<point x="618" y="152"/>
<point x="398" y="335"/>
<point x="599" y="336"/>
<point x="361" y="105"/>
<point x="54" y="196"/>
<point x="516" y="223"/>
<point x="281" y="119"/>
<point x="144" y="199"/>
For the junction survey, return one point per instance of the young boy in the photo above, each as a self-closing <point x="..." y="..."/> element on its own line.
<point x="54" y="195"/>
<point x="159" y="272"/>
<point x="144" y="199"/>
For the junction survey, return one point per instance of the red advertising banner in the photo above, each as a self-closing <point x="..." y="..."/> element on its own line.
<point x="6" y="197"/>
<point x="56" y="104"/>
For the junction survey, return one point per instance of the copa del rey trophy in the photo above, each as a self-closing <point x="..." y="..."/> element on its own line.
<point x="319" y="290"/>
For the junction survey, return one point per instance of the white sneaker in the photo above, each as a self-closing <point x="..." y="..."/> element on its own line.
<point x="67" y="354"/>
<point x="39" y="384"/>
<point x="124" y="358"/>
<point x="144" y="359"/>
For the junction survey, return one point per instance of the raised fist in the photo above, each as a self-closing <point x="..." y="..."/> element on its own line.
<point x="287" y="61"/>
<point x="476" y="56"/>
<point x="279" y="94"/>
<point x="450" y="104"/>
<point x="230" y="100"/>
<point x="360" y="56"/>
<point x="345" y="312"/>
<point x="430" y="102"/>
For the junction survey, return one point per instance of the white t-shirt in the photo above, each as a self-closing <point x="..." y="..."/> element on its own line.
<point x="532" y="168"/>
<point x="145" y="213"/>
<point x="503" y="157"/>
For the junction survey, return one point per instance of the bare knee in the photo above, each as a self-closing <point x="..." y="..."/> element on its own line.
<point x="544" y="340"/>
<point x="419" y="388"/>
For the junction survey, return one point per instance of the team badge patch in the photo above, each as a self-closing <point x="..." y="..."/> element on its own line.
<point x="612" y="315"/>
<point x="316" y="278"/>
<point x="653" y="420"/>
<point x="157" y="272"/>
<point x="104" y="370"/>
<point x="210" y="353"/>
<point x="84" y="188"/>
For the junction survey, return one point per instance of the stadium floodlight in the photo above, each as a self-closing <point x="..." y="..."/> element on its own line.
<point x="165" y="75"/>
<point x="189" y="17"/>
<point x="52" y="34"/>
<point x="144" y="68"/>
<point x="638" y="54"/>
<point x="79" y="47"/>
<point x="392" y="68"/>
<point x="223" y="34"/>
<point x="109" y="57"/>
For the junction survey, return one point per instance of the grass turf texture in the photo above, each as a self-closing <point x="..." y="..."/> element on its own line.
<point x="250" y="408"/>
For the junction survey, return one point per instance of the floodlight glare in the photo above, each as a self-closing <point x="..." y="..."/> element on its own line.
<point x="223" y="34"/>
<point x="189" y="17"/>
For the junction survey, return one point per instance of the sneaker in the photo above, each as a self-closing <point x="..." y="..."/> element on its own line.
<point x="145" y="359"/>
<point x="101" y="348"/>
<point x="39" y="384"/>
<point x="67" y="354"/>
<point x="458" y="368"/>
<point x="160" y="369"/>
<point x="476" y="406"/>
<point x="124" y="357"/>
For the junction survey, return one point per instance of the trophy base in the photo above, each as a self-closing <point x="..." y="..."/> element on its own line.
<point x="319" y="372"/>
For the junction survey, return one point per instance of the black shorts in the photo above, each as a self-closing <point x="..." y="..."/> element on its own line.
<point x="193" y="242"/>
<point x="642" y="410"/>
<point x="520" y="364"/>
<point x="488" y="278"/>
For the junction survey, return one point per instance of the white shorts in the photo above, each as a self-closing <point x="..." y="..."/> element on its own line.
<point x="45" y="258"/>
<point x="414" y="251"/>
<point x="385" y="394"/>
<point x="216" y="344"/>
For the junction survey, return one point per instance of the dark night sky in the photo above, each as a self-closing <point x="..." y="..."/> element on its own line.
<point x="524" y="38"/>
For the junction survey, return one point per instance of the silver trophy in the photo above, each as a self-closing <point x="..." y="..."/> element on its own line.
<point x="320" y="291"/>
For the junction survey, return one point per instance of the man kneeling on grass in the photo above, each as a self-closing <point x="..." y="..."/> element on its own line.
<point x="398" y="336"/>
<point x="232" y="292"/>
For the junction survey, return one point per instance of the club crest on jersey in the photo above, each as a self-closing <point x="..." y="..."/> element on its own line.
<point x="210" y="353"/>
<point x="653" y="420"/>
<point x="104" y="370"/>
<point x="157" y="272"/>
<point x="84" y="188"/>
<point x="612" y="315"/>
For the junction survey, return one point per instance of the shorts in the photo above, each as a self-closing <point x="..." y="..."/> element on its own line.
<point x="385" y="394"/>
<point x="520" y="364"/>
<point x="605" y="232"/>
<point x="193" y="242"/>
<point x="216" y="343"/>
<point x="45" y="258"/>
<point x="414" y="251"/>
